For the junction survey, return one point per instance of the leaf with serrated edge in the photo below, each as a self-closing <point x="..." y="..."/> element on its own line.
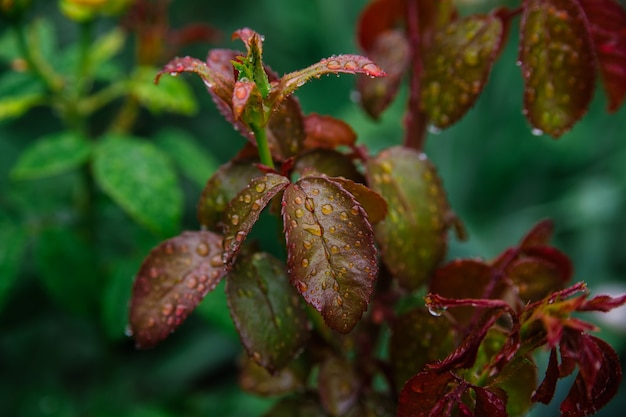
<point x="373" y="203"/>
<point x="330" y="250"/>
<point x="267" y="311"/>
<point x="244" y="209"/>
<point x="558" y="64"/>
<point x="285" y="130"/>
<point x="413" y="236"/>
<point x="456" y="67"/>
<point x="607" y="20"/>
<point x="171" y="282"/>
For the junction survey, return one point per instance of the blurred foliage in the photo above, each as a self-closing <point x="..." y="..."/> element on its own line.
<point x="68" y="250"/>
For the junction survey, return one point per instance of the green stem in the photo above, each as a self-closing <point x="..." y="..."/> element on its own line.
<point x="35" y="61"/>
<point x="263" y="147"/>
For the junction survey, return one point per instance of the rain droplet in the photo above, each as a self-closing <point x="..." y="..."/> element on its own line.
<point x="297" y="200"/>
<point x="333" y="65"/>
<point x="354" y="210"/>
<point x="174" y="74"/>
<point x="436" y="311"/>
<point x="332" y="229"/>
<point x="307" y="244"/>
<point x="314" y="229"/>
<point x="180" y="310"/>
<point x="239" y="237"/>
<point x="343" y="216"/>
<point x="154" y="273"/>
<point x="128" y="331"/>
<point x="305" y="262"/>
<point x="234" y="219"/>
<point x="350" y="66"/>
<point x="327" y="209"/>
<point x="217" y="261"/>
<point x="202" y="249"/>
<point x="434" y="129"/>
<point x="339" y="300"/>
<point x="536" y="132"/>
<point x="301" y="286"/>
<point x="256" y="205"/>
<point x="371" y="69"/>
<point x="309" y="204"/>
<point x="471" y="57"/>
<point x="260" y="187"/>
<point x="247" y="198"/>
<point x="299" y="213"/>
<point x="192" y="282"/>
<point x="334" y="249"/>
<point x="167" y="309"/>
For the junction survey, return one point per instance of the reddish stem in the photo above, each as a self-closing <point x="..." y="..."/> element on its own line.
<point x="414" y="119"/>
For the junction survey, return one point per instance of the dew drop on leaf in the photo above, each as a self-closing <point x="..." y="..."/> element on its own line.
<point x="536" y="132"/>
<point x="436" y="311"/>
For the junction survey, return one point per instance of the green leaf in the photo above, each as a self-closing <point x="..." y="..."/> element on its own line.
<point x="220" y="189"/>
<point x="172" y="280"/>
<point x="456" y="67"/>
<point x="67" y="268"/>
<point x="519" y="380"/>
<point x="338" y="385"/>
<point x="417" y="338"/>
<point x="51" y="155"/>
<point x="558" y="64"/>
<point x="253" y="62"/>
<point x="141" y="180"/>
<point x="172" y="94"/>
<point x="244" y="209"/>
<point x="106" y="47"/>
<point x="331" y="254"/>
<point x="257" y="380"/>
<point x="195" y="163"/>
<point x="267" y="311"/>
<point x="114" y="312"/>
<point x="14" y="239"/>
<point x="413" y="236"/>
<point x="12" y="107"/>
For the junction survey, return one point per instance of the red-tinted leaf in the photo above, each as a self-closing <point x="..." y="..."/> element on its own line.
<point x="244" y="209"/>
<point x="392" y="52"/>
<point x="457" y="65"/>
<point x="586" y="398"/>
<point x="267" y="311"/>
<point x="326" y="132"/>
<point x="257" y="380"/>
<point x="535" y="278"/>
<point x="338" y="385"/>
<point x="242" y="93"/>
<point x="417" y="338"/>
<point x="378" y="17"/>
<point x="193" y="33"/>
<point x="603" y="303"/>
<point x="413" y="236"/>
<point x="558" y="259"/>
<point x="220" y="189"/>
<point x="422" y="392"/>
<point x="331" y="253"/>
<point x="545" y="391"/>
<point x="349" y="64"/>
<point x="607" y="20"/>
<point x="489" y="404"/>
<point x="539" y="235"/>
<point x="558" y="64"/>
<point x="374" y="205"/>
<point x="285" y="130"/>
<point x="171" y="282"/>
<point x="252" y="64"/>
<point x="249" y="37"/>
<point x="327" y="162"/>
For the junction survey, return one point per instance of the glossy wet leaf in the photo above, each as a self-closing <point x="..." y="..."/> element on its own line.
<point x="171" y="95"/>
<point x="51" y="155"/>
<point x="422" y="392"/>
<point x="377" y="17"/>
<point x="141" y="180"/>
<point x="222" y="187"/>
<point x="327" y="162"/>
<point x="244" y="92"/>
<point x="256" y="379"/>
<point x="558" y="64"/>
<point x="413" y="236"/>
<point x="326" y="132"/>
<point x="267" y="311"/>
<point x="417" y="337"/>
<point x="331" y="253"/>
<point x="374" y="205"/>
<point x="539" y="235"/>
<point x="607" y="20"/>
<point x="14" y="239"/>
<point x="392" y="52"/>
<point x="519" y="380"/>
<point x="535" y="278"/>
<point x="488" y="403"/>
<point x="251" y="66"/>
<point x="456" y="67"/>
<point x="338" y="385"/>
<point x="285" y="130"/>
<point x="170" y="283"/>
<point x="349" y="64"/>
<point x="244" y="209"/>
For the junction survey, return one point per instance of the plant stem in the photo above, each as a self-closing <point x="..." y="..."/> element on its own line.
<point x="262" y="145"/>
<point x="414" y="119"/>
<point x="35" y="62"/>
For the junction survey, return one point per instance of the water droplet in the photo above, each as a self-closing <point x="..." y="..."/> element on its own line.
<point x="518" y="63"/>
<point x="299" y="213"/>
<point x="202" y="249"/>
<point x="333" y="65"/>
<point x="307" y="244"/>
<point x="309" y="204"/>
<point x="314" y="229"/>
<point x="174" y="74"/>
<point x="167" y="309"/>
<point x="234" y="219"/>
<point x="343" y="216"/>
<point x="436" y="310"/>
<point x="128" y="331"/>
<point x="154" y="273"/>
<point x="327" y="209"/>
<point x="240" y="236"/>
<point x="256" y="356"/>
<point x="354" y="210"/>
<point x="193" y="282"/>
<point x="301" y="286"/>
<point x="332" y="229"/>
<point x="297" y="200"/>
<point x="536" y="132"/>
<point x="247" y="198"/>
<point x="207" y="83"/>
<point x="241" y="92"/>
<point x="350" y="66"/>
<point x="471" y="57"/>
<point x="334" y="249"/>
<point x="180" y="310"/>
<point x="260" y="187"/>
<point x="434" y="129"/>
<point x="339" y="300"/>
<point x="305" y="262"/>
<point x="371" y="69"/>
<point x="256" y="205"/>
<point x="216" y="261"/>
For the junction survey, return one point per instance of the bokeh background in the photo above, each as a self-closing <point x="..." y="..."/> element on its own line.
<point x="63" y="351"/>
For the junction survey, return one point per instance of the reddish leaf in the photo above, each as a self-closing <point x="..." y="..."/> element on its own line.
<point x="535" y="278"/>
<point x="257" y="380"/>
<point x="607" y="20"/>
<point x="326" y="132"/>
<point x="422" y="392"/>
<point x="558" y="64"/>
<point x="244" y="209"/>
<point x="171" y="282"/>
<point x="587" y="397"/>
<point x="558" y="259"/>
<point x="539" y="235"/>
<point x="349" y="64"/>
<point x="338" y="385"/>
<point x="417" y="338"/>
<point x="327" y="162"/>
<point x="267" y="312"/>
<point x="489" y="404"/>
<point x="603" y="303"/>
<point x="220" y="189"/>
<point x="331" y="253"/>
<point x="545" y="391"/>
<point x="457" y="65"/>
<point x="392" y="52"/>
<point x="374" y="205"/>
<point x="378" y="17"/>
<point x="242" y="93"/>
<point x="285" y="130"/>
<point x="413" y="236"/>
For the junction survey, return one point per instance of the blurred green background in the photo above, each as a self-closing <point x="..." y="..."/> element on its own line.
<point x="63" y="351"/>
